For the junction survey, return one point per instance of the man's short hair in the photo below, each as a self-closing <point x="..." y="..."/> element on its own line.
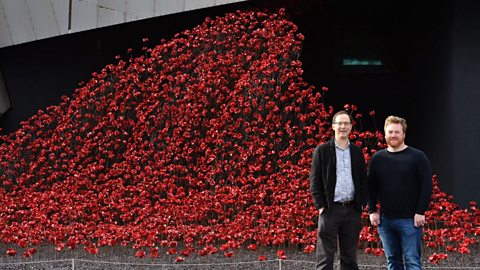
<point x="339" y="113"/>
<point x="392" y="119"/>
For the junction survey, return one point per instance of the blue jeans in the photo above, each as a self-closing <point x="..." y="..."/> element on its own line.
<point x="401" y="241"/>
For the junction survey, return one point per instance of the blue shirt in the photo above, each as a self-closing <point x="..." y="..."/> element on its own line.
<point x="344" y="189"/>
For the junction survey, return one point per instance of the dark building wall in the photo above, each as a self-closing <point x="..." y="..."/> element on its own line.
<point x="464" y="98"/>
<point x="434" y="82"/>
<point x="429" y="80"/>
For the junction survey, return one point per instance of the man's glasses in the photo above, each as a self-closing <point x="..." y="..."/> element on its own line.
<point x="342" y="123"/>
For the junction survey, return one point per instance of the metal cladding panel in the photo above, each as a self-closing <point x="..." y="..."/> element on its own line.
<point x="19" y="21"/>
<point x="170" y="6"/>
<point x="196" y="4"/>
<point x="43" y="19"/>
<point x="224" y="2"/>
<point x="5" y="33"/>
<point x="60" y="10"/>
<point x="29" y="20"/>
<point x="111" y="12"/>
<point x="140" y="9"/>
<point x="84" y="15"/>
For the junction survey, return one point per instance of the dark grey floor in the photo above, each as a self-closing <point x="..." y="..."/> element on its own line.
<point x="123" y="258"/>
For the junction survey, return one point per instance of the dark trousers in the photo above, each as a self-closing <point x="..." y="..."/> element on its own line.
<point x="342" y="222"/>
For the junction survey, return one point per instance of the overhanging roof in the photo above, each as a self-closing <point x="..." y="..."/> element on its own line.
<point x="30" y="20"/>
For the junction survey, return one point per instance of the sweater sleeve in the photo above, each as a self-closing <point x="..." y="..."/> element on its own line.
<point x="424" y="176"/>
<point x="372" y="187"/>
<point x="316" y="180"/>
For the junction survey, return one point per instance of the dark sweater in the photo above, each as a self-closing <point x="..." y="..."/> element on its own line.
<point x="401" y="182"/>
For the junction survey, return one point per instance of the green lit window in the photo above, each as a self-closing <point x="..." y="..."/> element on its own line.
<point x="361" y="62"/>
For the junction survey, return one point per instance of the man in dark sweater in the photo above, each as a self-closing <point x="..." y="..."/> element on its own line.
<point x="338" y="186"/>
<point x="400" y="178"/>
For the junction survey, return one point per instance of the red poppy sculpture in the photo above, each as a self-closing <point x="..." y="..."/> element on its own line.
<point x="201" y="145"/>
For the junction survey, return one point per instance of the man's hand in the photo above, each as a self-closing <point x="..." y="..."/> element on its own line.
<point x="375" y="218"/>
<point x="320" y="211"/>
<point x="419" y="220"/>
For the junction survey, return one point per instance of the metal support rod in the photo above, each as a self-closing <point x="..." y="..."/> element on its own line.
<point x="69" y="16"/>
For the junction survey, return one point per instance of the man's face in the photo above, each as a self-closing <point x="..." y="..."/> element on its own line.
<point x="342" y="126"/>
<point x="394" y="135"/>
